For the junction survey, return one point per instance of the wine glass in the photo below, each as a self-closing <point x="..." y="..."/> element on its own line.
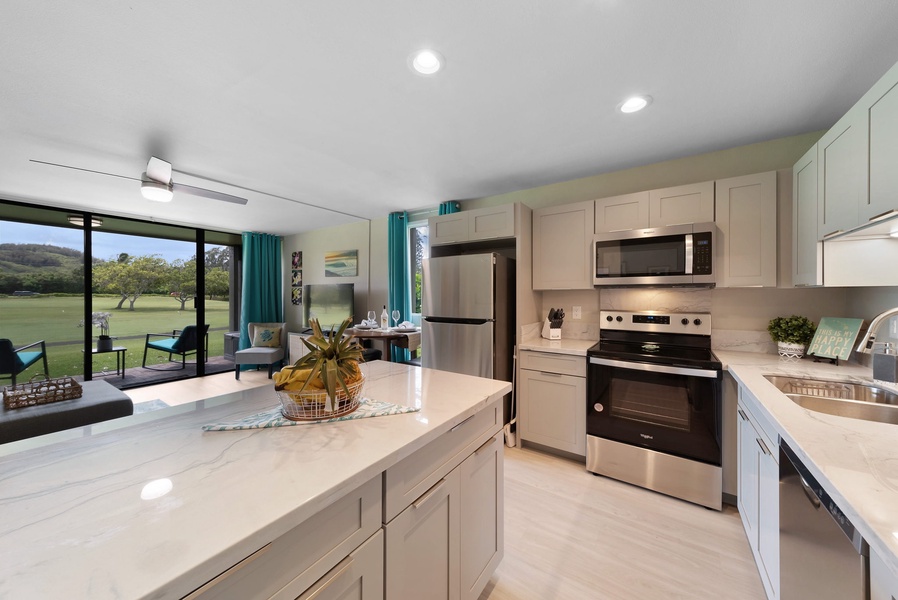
<point x="396" y="317"/>
<point x="372" y="317"/>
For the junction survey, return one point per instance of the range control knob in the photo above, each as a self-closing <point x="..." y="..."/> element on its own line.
<point x="684" y="321"/>
<point x="697" y="322"/>
<point x="619" y="319"/>
<point x="609" y="318"/>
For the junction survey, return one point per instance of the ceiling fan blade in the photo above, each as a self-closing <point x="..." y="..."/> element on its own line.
<point x="203" y="192"/>
<point x="42" y="162"/>
<point x="159" y="170"/>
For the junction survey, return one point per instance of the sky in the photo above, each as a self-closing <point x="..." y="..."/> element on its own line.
<point x="105" y="245"/>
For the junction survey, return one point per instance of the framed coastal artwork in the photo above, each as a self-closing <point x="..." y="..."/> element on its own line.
<point x="343" y="263"/>
<point x="297" y="260"/>
<point x="296" y="279"/>
<point x="297" y="295"/>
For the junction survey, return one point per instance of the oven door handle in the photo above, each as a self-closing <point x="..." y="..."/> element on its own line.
<point x="652" y="367"/>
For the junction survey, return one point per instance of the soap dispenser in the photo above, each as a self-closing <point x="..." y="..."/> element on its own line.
<point x="885" y="364"/>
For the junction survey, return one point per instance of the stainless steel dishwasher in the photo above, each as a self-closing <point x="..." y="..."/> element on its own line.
<point x="822" y="555"/>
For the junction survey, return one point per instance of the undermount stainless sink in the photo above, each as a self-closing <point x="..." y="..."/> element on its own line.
<point x="843" y="399"/>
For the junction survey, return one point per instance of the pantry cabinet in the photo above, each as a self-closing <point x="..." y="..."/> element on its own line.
<point x="693" y="203"/>
<point x="562" y="246"/>
<point x="807" y="250"/>
<point x="552" y="397"/>
<point x="745" y="247"/>
<point x="758" y="499"/>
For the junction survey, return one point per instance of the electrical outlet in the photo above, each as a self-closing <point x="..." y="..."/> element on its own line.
<point x="578" y="313"/>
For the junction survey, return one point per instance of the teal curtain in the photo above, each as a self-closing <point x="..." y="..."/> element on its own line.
<point x="449" y="207"/>
<point x="262" y="300"/>
<point x="398" y="273"/>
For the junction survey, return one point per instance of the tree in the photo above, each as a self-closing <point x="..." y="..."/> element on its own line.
<point x="218" y="258"/>
<point x="131" y="277"/>
<point x="217" y="283"/>
<point x="181" y="279"/>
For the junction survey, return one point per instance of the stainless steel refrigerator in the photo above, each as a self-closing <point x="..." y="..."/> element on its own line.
<point x="467" y="323"/>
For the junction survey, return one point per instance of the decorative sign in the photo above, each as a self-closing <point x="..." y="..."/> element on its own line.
<point x="835" y="337"/>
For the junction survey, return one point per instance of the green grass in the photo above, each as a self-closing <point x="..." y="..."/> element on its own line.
<point x="56" y="319"/>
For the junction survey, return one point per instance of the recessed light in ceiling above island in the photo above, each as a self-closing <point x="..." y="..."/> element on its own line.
<point x="634" y="104"/>
<point x="426" y="62"/>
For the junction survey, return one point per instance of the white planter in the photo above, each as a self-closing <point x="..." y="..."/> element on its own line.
<point x="790" y="351"/>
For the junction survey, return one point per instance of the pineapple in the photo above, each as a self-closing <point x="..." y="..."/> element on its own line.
<point x="331" y="362"/>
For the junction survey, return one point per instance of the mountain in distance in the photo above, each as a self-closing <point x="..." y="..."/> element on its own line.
<point x="28" y="258"/>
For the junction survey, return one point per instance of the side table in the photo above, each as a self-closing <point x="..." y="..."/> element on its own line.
<point x="119" y="358"/>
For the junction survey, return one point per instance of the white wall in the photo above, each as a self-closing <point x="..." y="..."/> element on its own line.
<point x="368" y="237"/>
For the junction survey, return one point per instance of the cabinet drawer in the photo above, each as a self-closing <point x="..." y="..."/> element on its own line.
<point x="565" y="364"/>
<point x="302" y="555"/>
<point x="359" y="575"/>
<point x="414" y="475"/>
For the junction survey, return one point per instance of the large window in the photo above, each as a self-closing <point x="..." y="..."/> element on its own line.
<point x="418" y="250"/>
<point x="144" y="278"/>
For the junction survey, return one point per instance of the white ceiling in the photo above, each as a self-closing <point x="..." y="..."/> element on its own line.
<point x="299" y="104"/>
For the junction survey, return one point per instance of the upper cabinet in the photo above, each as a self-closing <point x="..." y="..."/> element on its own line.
<point x="842" y="173"/>
<point x="492" y="222"/>
<point x="692" y="203"/>
<point x="562" y="241"/>
<point x="746" y="220"/>
<point x="882" y="113"/>
<point x="807" y="250"/>
<point x="622" y="213"/>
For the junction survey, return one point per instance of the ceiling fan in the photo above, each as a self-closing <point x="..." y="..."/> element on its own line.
<point x="156" y="183"/>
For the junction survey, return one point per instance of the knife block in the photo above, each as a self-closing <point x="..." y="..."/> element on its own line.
<point x="549" y="333"/>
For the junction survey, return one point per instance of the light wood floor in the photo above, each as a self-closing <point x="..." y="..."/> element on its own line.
<point x="572" y="535"/>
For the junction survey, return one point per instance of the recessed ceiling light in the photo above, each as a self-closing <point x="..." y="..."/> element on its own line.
<point x="635" y="103"/>
<point x="426" y="62"/>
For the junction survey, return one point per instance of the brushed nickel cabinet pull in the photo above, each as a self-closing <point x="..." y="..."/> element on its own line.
<point x="462" y="423"/>
<point x="224" y="575"/>
<point x="428" y="494"/>
<point x="832" y="233"/>
<point x="348" y="560"/>
<point x="484" y="445"/>
<point x="763" y="446"/>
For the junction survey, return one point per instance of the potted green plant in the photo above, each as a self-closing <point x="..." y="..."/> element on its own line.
<point x="791" y="334"/>
<point x="327" y="381"/>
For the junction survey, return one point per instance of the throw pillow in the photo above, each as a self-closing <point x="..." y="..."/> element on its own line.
<point x="267" y="338"/>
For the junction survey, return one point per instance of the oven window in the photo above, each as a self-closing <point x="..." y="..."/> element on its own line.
<point x="641" y="257"/>
<point x="648" y="402"/>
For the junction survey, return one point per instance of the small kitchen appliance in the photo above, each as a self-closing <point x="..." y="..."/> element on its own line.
<point x="654" y="404"/>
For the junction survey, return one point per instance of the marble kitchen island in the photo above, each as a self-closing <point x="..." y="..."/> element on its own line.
<point x="74" y="525"/>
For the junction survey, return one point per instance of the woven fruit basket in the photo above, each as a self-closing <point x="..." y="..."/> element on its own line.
<point x="311" y="405"/>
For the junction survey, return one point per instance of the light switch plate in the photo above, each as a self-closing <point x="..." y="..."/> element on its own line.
<point x="578" y="313"/>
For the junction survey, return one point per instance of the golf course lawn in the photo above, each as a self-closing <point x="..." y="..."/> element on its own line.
<point x="57" y="320"/>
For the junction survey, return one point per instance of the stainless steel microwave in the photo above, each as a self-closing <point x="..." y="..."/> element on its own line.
<point x="658" y="256"/>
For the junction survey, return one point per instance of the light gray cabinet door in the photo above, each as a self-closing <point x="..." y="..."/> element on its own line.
<point x="422" y="545"/>
<point x="360" y="576"/>
<point x="494" y="222"/>
<point x="622" y="213"/>
<point x="562" y="247"/>
<point x="746" y="219"/>
<point x="883" y="115"/>
<point x="883" y="582"/>
<point x="842" y="173"/>
<point x="807" y="250"/>
<point x="693" y="203"/>
<point x="553" y="410"/>
<point x="481" y="518"/>
<point x="448" y="229"/>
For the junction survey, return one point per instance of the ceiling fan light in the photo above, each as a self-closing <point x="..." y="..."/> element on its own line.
<point x="155" y="191"/>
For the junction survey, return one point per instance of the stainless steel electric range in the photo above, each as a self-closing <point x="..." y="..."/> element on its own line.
<point x="654" y="404"/>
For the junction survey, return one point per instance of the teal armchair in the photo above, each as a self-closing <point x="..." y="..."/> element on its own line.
<point x="15" y="360"/>
<point x="181" y="342"/>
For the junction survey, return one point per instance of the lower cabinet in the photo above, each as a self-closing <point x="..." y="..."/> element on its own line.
<point x="883" y="583"/>
<point x="758" y="501"/>
<point x="447" y="543"/>
<point x="360" y="576"/>
<point x="552" y="397"/>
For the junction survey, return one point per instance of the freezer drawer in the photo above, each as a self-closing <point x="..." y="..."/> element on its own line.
<point x="458" y="347"/>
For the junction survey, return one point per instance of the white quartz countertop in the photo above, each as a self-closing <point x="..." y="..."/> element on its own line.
<point x="856" y="461"/>
<point x="73" y="524"/>
<point x="575" y="347"/>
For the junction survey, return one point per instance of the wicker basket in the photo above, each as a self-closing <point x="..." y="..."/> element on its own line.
<point x="311" y="405"/>
<point x="40" y="392"/>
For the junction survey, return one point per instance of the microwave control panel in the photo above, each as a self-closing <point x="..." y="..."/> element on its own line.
<point x="701" y="253"/>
